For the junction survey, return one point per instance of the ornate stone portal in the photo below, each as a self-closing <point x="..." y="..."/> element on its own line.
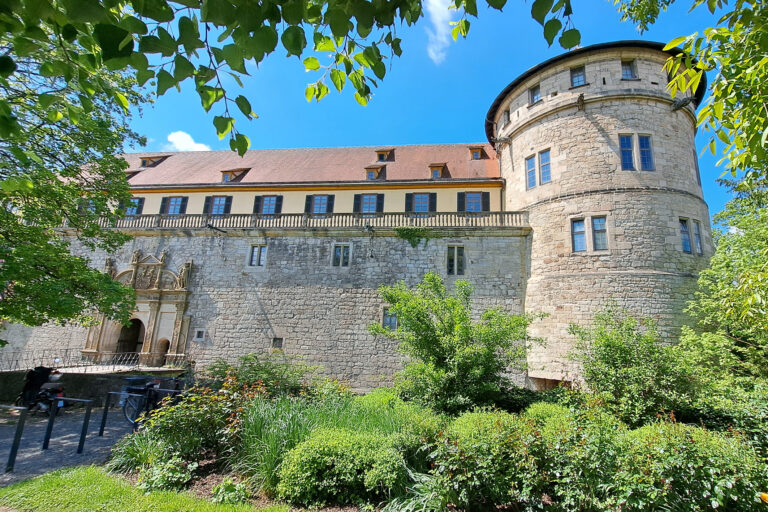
<point x="161" y="300"/>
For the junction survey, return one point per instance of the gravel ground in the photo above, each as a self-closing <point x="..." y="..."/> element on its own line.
<point x="62" y="452"/>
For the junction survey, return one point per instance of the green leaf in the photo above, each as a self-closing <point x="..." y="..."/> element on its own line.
<point x="461" y="28"/>
<point x="551" y="29"/>
<point x="240" y="143"/>
<point x="540" y="9"/>
<point x="164" y="82"/>
<point x="310" y="92"/>
<point x="84" y="11"/>
<point x="111" y="39"/>
<point x="189" y="35"/>
<point x="322" y="91"/>
<point x="7" y="66"/>
<point x="293" y="40"/>
<point x="293" y="11"/>
<point x="265" y="38"/>
<point x="674" y="43"/>
<point x="143" y="75"/>
<point x="54" y="115"/>
<point x="339" y="22"/>
<point x="122" y="100"/>
<point x="311" y="64"/>
<point x="46" y="100"/>
<point x="570" y="38"/>
<point x="363" y="100"/>
<point x="323" y="43"/>
<point x="497" y="4"/>
<point x="158" y="10"/>
<point x="209" y="96"/>
<point x="133" y="25"/>
<point x="223" y="125"/>
<point x="219" y="12"/>
<point x="338" y="78"/>
<point x="182" y="68"/>
<point x="245" y="107"/>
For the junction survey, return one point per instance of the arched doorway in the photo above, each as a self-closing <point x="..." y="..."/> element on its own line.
<point x="131" y="337"/>
<point x="162" y="348"/>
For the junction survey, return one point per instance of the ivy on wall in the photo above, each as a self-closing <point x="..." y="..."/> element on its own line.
<point x="414" y="235"/>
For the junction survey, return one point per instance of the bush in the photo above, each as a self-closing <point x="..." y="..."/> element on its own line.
<point x="229" y="492"/>
<point x="342" y="466"/>
<point x="671" y="466"/>
<point x="483" y="459"/>
<point x="171" y="474"/>
<point x="191" y="427"/>
<point x="455" y="363"/>
<point x="277" y="372"/>
<point x="626" y="365"/>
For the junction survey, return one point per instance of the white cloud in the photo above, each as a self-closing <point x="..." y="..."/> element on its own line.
<point x="182" y="141"/>
<point x="440" y="17"/>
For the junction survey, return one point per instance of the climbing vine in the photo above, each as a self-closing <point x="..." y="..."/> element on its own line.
<point x="414" y="235"/>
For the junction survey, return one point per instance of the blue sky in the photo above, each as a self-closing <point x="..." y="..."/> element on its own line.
<point x="437" y="92"/>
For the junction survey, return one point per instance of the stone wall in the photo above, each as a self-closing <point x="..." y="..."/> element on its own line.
<point x="321" y="312"/>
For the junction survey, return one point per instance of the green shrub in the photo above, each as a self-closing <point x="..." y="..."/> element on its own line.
<point x="483" y="459"/>
<point x="134" y="451"/>
<point x="229" y="492"/>
<point x="342" y="466"/>
<point x="671" y="466"/>
<point x="626" y="365"/>
<point x="192" y="427"/>
<point x="277" y="372"/>
<point x="170" y="474"/>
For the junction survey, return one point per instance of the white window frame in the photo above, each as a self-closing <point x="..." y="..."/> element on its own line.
<point x="342" y="245"/>
<point x="579" y="71"/>
<point x="650" y="150"/>
<point x="632" y="63"/>
<point x="534" y="94"/>
<point x="260" y="250"/>
<point x="455" y="249"/>
<point x="687" y="222"/>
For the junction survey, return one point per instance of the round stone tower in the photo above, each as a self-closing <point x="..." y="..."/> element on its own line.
<point x="603" y="159"/>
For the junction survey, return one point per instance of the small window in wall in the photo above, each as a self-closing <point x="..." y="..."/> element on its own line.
<point x="578" y="77"/>
<point x="389" y="321"/>
<point x="368" y="203"/>
<point x="530" y="172"/>
<point x="319" y="204"/>
<point x="534" y="94"/>
<point x="599" y="234"/>
<point x="421" y="203"/>
<point x="697" y="237"/>
<point x="268" y="204"/>
<point x="685" y="235"/>
<point x="218" y="205"/>
<point x="277" y="343"/>
<point x="625" y="147"/>
<point x="477" y="154"/>
<point x="258" y="256"/>
<point x="456" y="262"/>
<point x="340" y="255"/>
<point x="199" y="335"/>
<point x="371" y="174"/>
<point x="545" y="175"/>
<point x="173" y="205"/>
<point x="505" y="118"/>
<point x="646" y="152"/>
<point x="578" y="235"/>
<point x="628" y="70"/>
<point x="474" y="202"/>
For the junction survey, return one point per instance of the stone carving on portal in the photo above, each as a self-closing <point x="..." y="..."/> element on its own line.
<point x="158" y="329"/>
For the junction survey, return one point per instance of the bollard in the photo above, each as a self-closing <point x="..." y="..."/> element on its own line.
<point x="54" y="409"/>
<point x="84" y="430"/>
<point x="104" y="414"/>
<point x="16" y="437"/>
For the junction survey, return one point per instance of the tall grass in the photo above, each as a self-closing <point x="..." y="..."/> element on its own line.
<point x="271" y="428"/>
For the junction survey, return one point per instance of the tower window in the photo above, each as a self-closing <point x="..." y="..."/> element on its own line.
<point x="534" y="94"/>
<point x="685" y="235"/>
<point x="530" y="171"/>
<point x="578" y="235"/>
<point x="545" y="176"/>
<point x="697" y="237"/>
<point x="578" y="77"/>
<point x="646" y="154"/>
<point x="599" y="234"/>
<point x="625" y="146"/>
<point x="628" y="70"/>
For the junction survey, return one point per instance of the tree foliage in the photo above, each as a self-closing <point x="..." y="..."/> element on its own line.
<point x="169" y="42"/>
<point x="454" y="362"/>
<point x="58" y="167"/>
<point x="736" y="50"/>
<point x="733" y="292"/>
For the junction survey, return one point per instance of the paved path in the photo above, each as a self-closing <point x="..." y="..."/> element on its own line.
<point x="32" y="461"/>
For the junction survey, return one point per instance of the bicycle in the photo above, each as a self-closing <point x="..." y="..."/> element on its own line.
<point x="149" y="399"/>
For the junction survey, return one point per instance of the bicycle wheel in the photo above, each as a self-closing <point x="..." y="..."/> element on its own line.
<point x="132" y="408"/>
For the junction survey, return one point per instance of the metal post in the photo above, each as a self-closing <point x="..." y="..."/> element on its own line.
<point x="104" y="414"/>
<point x="84" y="431"/>
<point x="54" y="409"/>
<point x="16" y="438"/>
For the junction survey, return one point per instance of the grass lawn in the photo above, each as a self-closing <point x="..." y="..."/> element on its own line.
<point x="90" y="488"/>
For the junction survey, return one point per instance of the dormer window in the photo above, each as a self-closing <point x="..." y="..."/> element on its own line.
<point x="437" y="171"/>
<point x="476" y="153"/>
<point x="151" y="161"/>
<point x="232" y="175"/>
<point x="385" y="155"/>
<point x="374" y="172"/>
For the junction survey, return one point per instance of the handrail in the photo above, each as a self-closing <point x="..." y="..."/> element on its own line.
<point x="329" y="220"/>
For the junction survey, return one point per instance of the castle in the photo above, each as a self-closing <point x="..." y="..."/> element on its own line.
<point x="588" y="192"/>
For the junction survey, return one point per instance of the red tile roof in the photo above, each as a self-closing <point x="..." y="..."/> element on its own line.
<point x="312" y="165"/>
